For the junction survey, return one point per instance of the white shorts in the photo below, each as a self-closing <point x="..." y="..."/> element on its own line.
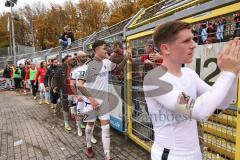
<point x="72" y="98"/>
<point x="157" y="152"/>
<point x="28" y="84"/>
<point x="41" y="87"/>
<point x="91" y="115"/>
<point x="80" y="107"/>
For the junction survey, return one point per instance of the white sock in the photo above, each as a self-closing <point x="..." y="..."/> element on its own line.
<point x="106" y="140"/>
<point x="65" y="117"/>
<point x="88" y="132"/>
<point x="78" y="123"/>
<point x="66" y="123"/>
<point x="41" y="96"/>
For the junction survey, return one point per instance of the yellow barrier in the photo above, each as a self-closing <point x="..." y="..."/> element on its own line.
<point x="220" y="135"/>
<point x="237" y="154"/>
<point x="168" y="12"/>
<point x="130" y="108"/>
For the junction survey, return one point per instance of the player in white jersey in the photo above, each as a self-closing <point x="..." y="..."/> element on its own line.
<point x="93" y="84"/>
<point x="177" y="98"/>
<point x="77" y="64"/>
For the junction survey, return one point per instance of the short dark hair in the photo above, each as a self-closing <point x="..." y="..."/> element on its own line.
<point x="150" y="42"/>
<point x="72" y="62"/>
<point x="54" y="59"/>
<point x="27" y="63"/>
<point x="66" y="58"/>
<point x="117" y="43"/>
<point x="41" y="64"/>
<point x="167" y="32"/>
<point x="98" y="43"/>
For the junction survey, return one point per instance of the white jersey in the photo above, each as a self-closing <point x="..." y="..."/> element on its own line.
<point x="75" y="72"/>
<point x="175" y="106"/>
<point x="96" y="75"/>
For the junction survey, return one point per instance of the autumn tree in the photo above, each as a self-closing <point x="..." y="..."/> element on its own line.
<point x="145" y="4"/>
<point x="72" y="15"/>
<point x="4" y="34"/>
<point x="20" y="31"/>
<point x="34" y="16"/>
<point x="121" y="10"/>
<point x="84" y="18"/>
<point x="93" y="16"/>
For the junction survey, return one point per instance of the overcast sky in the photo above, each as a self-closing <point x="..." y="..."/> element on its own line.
<point x="21" y="3"/>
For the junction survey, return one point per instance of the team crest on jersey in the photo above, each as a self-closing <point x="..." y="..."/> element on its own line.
<point x="185" y="104"/>
<point x="183" y="98"/>
<point x="82" y="73"/>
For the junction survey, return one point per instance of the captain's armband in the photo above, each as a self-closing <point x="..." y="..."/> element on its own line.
<point x="185" y="104"/>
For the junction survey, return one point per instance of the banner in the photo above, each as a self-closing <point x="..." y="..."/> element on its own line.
<point x="5" y="83"/>
<point x="116" y="115"/>
<point x="2" y="83"/>
<point x="205" y="63"/>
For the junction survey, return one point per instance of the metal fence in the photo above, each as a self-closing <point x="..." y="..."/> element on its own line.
<point x="218" y="135"/>
<point x="26" y="52"/>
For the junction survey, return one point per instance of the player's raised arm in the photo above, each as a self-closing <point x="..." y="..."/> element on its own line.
<point x="204" y="105"/>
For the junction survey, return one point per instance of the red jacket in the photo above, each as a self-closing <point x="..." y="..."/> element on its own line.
<point x="146" y="56"/>
<point x="27" y="71"/>
<point x="41" y="72"/>
<point x="68" y="81"/>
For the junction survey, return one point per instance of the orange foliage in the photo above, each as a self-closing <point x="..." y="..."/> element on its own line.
<point x="84" y="18"/>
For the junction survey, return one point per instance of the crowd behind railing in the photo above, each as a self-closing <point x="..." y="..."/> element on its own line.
<point x="218" y="30"/>
<point x="32" y="78"/>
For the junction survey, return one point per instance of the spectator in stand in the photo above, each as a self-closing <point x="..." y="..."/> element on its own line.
<point x="204" y="34"/>
<point x="237" y="27"/>
<point x="195" y="33"/>
<point x="47" y="83"/>
<point x="61" y="84"/>
<point x="23" y="73"/>
<point x="151" y="56"/>
<point x="41" y="74"/>
<point x="32" y="76"/>
<point x="67" y="38"/>
<point x="221" y="26"/>
<point x="211" y="31"/>
<point x="12" y="66"/>
<point x="17" y="76"/>
<point x="70" y="34"/>
<point x="26" y="78"/>
<point x="47" y="92"/>
<point x="150" y="59"/>
<point x="117" y="56"/>
<point x="7" y="73"/>
<point x="199" y="37"/>
<point x="49" y="62"/>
